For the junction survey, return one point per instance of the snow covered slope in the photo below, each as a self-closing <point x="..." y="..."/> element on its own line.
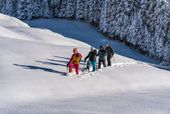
<point x="8" y="21"/>
<point x="32" y="77"/>
<point x="11" y="27"/>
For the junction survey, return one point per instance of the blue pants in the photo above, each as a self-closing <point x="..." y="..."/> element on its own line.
<point x="93" y="63"/>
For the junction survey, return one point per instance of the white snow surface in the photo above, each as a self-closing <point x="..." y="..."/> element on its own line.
<point x="33" y="67"/>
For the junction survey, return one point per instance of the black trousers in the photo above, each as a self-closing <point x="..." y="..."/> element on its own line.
<point x="101" y="62"/>
<point x="109" y="63"/>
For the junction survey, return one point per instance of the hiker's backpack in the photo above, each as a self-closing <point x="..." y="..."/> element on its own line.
<point x="102" y="54"/>
<point x="109" y="51"/>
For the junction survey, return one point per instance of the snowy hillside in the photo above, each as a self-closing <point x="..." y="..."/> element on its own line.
<point x="32" y="76"/>
<point x="141" y="24"/>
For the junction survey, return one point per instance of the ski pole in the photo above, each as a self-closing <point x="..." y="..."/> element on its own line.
<point x="84" y="65"/>
<point x="67" y="67"/>
<point x="114" y="59"/>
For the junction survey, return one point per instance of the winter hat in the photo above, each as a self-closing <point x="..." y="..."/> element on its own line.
<point x="107" y="44"/>
<point x="92" y="48"/>
<point x="101" y="47"/>
<point x="75" y="50"/>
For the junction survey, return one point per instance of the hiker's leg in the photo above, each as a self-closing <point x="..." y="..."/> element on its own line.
<point x="77" y="69"/>
<point x="94" y="65"/>
<point x="99" y="65"/>
<point x="104" y="63"/>
<point x="109" y="61"/>
<point x="71" y="65"/>
<point x="88" y="65"/>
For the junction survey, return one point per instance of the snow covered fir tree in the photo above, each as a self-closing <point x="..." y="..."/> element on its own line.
<point x="142" y="24"/>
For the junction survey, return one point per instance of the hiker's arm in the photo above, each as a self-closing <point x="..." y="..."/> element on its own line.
<point x="70" y="61"/>
<point x="86" y="57"/>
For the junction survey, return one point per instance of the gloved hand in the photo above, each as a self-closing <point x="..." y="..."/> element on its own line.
<point x="68" y="64"/>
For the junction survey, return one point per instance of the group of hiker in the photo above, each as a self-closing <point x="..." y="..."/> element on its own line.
<point x="104" y="54"/>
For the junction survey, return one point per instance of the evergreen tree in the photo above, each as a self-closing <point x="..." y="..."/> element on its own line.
<point x="45" y="12"/>
<point x="80" y="14"/>
<point x="9" y="7"/>
<point x="113" y="7"/>
<point x="22" y="9"/>
<point x="103" y="19"/>
<point x="91" y="10"/>
<point x="54" y="6"/>
<point x="62" y="9"/>
<point x="95" y="7"/>
<point x="97" y="10"/>
<point x="167" y="53"/>
<point x="54" y="3"/>
<point x="112" y="18"/>
<point x="71" y="8"/>
<point x="162" y="18"/>
<point x="86" y="10"/>
<point x="30" y="9"/>
<point x="37" y="8"/>
<point x="1" y="5"/>
<point x="34" y="9"/>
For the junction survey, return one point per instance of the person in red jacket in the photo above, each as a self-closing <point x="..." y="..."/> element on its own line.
<point x="75" y="61"/>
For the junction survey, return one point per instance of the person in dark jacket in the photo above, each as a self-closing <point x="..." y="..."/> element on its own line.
<point x="92" y="59"/>
<point x="102" y="57"/>
<point x="109" y="54"/>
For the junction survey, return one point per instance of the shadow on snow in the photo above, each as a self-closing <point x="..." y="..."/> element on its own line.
<point x="54" y="62"/>
<point x="32" y="67"/>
